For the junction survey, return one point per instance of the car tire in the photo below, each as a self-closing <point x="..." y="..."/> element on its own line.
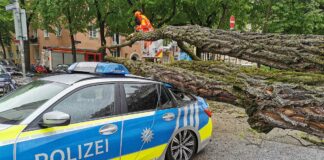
<point x="183" y="146"/>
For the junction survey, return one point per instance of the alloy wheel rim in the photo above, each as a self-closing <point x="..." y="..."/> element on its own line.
<point x="183" y="145"/>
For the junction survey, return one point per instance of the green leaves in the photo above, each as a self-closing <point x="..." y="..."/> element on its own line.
<point x="69" y="14"/>
<point x="289" y="16"/>
<point x="296" y="16"/>
<point x="6" y="22"/>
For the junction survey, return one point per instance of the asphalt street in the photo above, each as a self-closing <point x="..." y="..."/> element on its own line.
<point x="233" y="139"/>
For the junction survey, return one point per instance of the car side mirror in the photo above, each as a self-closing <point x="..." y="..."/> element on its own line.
<point x="55" y="118"/>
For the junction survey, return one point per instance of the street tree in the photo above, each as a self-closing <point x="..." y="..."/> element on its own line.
<point x="281" y="98"/>
<point x="72" y="15"/>
<point x="290" y="16"/>
<point x="109" y="17"/>
<point x="6" y="27"/>
<point x="31" y="19"/>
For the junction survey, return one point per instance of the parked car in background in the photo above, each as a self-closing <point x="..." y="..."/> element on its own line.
<point x="10" y="67"/>
<point x="7" y="84"/>
<point x="61" y="68"/>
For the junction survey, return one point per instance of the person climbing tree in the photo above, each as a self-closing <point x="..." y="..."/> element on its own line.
<point x="142" y="22"/>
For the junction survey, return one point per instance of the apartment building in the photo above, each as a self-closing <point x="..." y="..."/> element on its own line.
<point x="51" y="49"/>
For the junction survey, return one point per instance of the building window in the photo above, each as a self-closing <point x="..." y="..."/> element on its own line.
<point x="35" y="34"/>
<point x="92" y="32"/>
<point x="46" y="34"/>
<point x="58" y="31"/>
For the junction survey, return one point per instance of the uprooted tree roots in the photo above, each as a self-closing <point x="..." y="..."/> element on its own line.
<point x="288" y="100"/>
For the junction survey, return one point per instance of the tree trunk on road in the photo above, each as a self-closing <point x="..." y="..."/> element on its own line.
<point x="288" y="100"/>
<point x="290" y="52"/>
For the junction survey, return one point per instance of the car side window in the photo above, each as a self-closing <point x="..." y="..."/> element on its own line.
<point x="165" y="100"/>
<point x="141" y="97"/>
<point x="181" y="97"/>
<point x="89" y="103"/>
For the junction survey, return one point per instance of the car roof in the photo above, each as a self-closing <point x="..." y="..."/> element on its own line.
<point x="68" y="78"/>
<point x="77" y="77"/>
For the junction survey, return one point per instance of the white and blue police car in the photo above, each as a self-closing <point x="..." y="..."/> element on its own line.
<point x="99" y="112"/>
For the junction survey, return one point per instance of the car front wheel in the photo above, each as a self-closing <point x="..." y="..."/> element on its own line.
<point x="183" y="146"/>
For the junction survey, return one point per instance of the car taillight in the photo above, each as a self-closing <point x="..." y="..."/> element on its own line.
<point x="208" y="112"/>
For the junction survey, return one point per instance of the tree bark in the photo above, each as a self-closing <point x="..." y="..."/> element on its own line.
<point x="101" y="22"/>
<point x="297" y="103"/>
<point x="222" y="21"/>
<point x="290" y="52"/>
<point x="3" y="47"/>
<point x="73" y="48"/>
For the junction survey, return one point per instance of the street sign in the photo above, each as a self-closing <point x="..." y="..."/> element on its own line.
<point x="11" y="7"/>
<point x="20" y="25"/>
<point x="232" y="22"/>
<point x="24" y="24"/>
<point x="17" y="24"/>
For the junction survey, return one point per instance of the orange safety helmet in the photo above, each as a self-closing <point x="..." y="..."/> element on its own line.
<point x="138" y="13"/>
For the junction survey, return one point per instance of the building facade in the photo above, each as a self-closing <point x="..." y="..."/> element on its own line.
<point x="51" y="49"/>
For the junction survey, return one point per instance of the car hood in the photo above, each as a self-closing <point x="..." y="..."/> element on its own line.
<point x="4" y="126"/>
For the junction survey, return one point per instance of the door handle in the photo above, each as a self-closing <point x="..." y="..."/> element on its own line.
<point x="108" y="129"/>
<point x="168" y="116"/>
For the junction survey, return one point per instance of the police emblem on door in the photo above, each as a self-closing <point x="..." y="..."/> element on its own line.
<point x="147" y="135"/>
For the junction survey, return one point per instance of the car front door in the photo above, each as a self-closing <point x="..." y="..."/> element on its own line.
<point x="139" y="102"/>
<point x="93" y="133"/>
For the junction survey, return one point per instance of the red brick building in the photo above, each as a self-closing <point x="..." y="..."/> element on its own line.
<point x="52" y="49"/>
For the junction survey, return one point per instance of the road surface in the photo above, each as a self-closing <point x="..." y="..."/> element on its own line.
<point x="233" y="139"/>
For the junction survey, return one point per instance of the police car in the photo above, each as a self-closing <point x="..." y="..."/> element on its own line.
<point x="99" y="111"/>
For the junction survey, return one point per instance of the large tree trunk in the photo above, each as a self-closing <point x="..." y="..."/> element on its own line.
<point x="73" y="47"/>
<point x="298" y="103"/>
<point x="27" y="55"/>
<point x="101" y="23"/>
<point x="291" y="52"/>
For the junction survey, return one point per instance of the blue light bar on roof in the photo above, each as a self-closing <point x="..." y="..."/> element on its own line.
<point x="111" y="68"/>
<point x="99" y="68"/>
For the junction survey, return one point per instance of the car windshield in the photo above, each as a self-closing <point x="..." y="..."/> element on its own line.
<point x="18" y="105"/>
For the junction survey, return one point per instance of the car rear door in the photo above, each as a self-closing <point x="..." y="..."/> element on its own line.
<point x="172" y="115"/>
<point x="139" y="103"/>
<point x="94" y="132"/>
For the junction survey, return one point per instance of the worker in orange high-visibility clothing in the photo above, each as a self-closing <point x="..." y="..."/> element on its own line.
<point x="142" y="22"/>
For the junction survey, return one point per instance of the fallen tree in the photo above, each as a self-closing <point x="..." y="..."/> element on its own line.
<point x="288" y="100"/>
<point x="289" y="52"/>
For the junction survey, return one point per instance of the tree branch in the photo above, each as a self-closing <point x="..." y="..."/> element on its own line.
<point x="186" y="49"/>
<point x="174" y="11"/>
<point x="269" y="102"/>
<point x="292" y="52"/>
<point x="210" y="19"/>
<point x="130" y="2"/>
